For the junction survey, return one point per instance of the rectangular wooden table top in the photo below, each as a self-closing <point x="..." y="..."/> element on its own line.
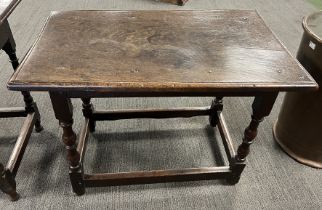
<point x="176" y="51"/>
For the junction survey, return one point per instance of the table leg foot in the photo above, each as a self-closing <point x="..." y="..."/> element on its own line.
<point x="8" y="183"/>
<point x="233" y="180"/>
<point x="237" y="169"/>
<point x="76" y="178"/>
<point x="38" y="126"/>
<point x="14" y="196"/>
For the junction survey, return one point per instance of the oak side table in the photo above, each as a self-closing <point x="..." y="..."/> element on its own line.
<point x="30" y="111"/>
<point x="89" y="54"/>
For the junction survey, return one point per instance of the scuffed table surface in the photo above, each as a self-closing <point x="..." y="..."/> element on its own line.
<point x="157" y="51"/>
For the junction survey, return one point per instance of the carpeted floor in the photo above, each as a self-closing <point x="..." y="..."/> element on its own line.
<point x="271" y="180"/>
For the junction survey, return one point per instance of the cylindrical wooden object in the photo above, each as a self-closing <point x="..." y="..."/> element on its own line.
<point x="298" y="129"/>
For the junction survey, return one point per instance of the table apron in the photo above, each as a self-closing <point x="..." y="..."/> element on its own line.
<point x="89" y="94"/>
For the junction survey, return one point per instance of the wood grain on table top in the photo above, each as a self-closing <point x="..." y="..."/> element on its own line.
<point x="159" y="50"/>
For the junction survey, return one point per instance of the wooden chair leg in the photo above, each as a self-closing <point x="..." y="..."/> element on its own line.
<point x="7" y="176"/>
<point x="10" y="49"/>
<point x="8" y="183"/>
<point x="30" y="105"/>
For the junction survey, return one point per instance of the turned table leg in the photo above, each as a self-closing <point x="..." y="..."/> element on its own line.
<point x="216" y="108"/>
<point x="262" y="107"/>
<point x="64" y="113"/>
<point x="30" y="105"/>
<point x="88" y="110"/>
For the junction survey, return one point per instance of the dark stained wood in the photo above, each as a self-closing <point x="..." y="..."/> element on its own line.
<point x="6" y="7"/>
<point x="195" y="53"/>
<point x="188" y="174"/>
<point x="21" y="144"/>
<point x="13" y="112"/>
<point x="82" y="142"/>
<point x="87" y="107"/>
<point x="7" y="44"/>
<point x="178" y="2"/>
<point x="10" y="48"/>
<point x="157" y="176"/>
<point x="87" y="54"/>
<point x="216" y="108"/>
<point x="227" y="140"/>
<point x="63" y="109"/>
<point x="202" y="92"/>
<point x="88" y="110"/>
<point x="181" y="2"/>
<point x="237" y="169"/>
<point x="262" y="107"/>
<point x="150" y="113"/>
<point x="8" y="183"/>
